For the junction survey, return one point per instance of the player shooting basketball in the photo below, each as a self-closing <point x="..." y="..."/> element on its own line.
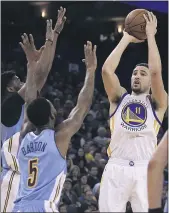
<point x="134" y="124"/>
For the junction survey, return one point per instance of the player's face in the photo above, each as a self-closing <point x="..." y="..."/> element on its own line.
<point x="15" y="84"/>
<point x="140" y="80"/>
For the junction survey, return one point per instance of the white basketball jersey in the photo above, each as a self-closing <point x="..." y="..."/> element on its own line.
<point x="134" y="127"/>
<point x="9" y="153"/>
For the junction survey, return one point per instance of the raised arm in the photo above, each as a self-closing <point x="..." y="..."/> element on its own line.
<point x="156" y="168"/>
<point x="70" y="126"/>
<point x="56" y="32"/>
<point x="154" y="61"/>
<point x="33" y="54"/>
<point x="110" y="79"/>
<point x="31" y="87"/>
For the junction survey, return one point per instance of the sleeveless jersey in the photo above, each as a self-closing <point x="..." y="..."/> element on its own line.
<point x="7" y="132"/>
<point x="10" y="176"/>
<point x="43" y="169"/>
<point x="9" y="152"/>
<point x="134" y="127"/>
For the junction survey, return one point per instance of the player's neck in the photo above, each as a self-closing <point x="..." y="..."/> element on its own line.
<point x="40" y="129"/>
<point x="139" y="94"/>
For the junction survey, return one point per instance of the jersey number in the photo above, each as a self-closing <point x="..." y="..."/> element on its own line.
<point x="138" y="110"/>
<point x="33" y="172"/>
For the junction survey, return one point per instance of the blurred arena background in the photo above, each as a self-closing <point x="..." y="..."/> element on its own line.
<point x="101" y="23"/>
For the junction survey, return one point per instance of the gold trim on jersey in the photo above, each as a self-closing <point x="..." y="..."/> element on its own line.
<point x="156" y="126"/>
<point x="51" y="206"/>
<point x="57" y="190"/>
<point x="111" y="129"/>
<point x="8" y="191"/>
<point x="112" y="124"/>
<point x="10" y="145"/>
<point x="15" y="164"/>
<point x="13" y="157"/>
<point x="109" y="151"/>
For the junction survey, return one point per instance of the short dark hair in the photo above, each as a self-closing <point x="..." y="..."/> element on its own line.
<point x="39" y="111"/>
<point x="142" y="64"/>
<point x="6" y="77"/>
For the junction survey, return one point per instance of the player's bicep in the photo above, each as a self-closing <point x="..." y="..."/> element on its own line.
<point x="67" y="129"/>
<point x="158" y="92"/>
<point x="112" y="86"/>
<point x="159" y="159"/>
<point x="64" y="132"/>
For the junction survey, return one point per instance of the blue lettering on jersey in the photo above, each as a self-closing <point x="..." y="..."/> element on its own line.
<point x="34" y="147"/>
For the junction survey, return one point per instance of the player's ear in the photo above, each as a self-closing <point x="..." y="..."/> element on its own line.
<point x="52" y="116"/>
<point x="10" y="89"/>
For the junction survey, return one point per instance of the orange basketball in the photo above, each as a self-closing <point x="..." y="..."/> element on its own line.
<point x="135" y="24"/>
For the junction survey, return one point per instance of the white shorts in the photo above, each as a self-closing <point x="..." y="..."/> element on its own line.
<point x="122" y="182"/>
<point x="9" y="189"/>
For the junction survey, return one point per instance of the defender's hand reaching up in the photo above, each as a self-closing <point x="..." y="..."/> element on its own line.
<point x="90" y="56"/>
<point x="60" y="20"/>
<point x="28" y="46"/>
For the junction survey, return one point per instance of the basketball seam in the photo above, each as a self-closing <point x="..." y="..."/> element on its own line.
<point x="137" y="31"/>
<point x="134" y="17"/>
<point x="134" y="31"/>
<point x="136" y="25"/>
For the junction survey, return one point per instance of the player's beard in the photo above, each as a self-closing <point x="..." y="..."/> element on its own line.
<point x="137" y="90"/>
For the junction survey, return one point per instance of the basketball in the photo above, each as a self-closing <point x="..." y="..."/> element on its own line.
<point x="135" y="24"/>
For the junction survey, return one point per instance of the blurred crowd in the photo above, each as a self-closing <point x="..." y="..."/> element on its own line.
<point x="87" y="155"/>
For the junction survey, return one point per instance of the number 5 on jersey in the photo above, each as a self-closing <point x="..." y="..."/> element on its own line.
<point x="32" y="172"/>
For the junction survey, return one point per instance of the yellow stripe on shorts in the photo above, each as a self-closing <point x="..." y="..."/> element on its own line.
<point x="8" y="191"/>
<point x="57" y="190"/>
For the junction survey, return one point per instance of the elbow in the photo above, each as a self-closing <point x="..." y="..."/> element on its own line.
<point x="105" y="70"/>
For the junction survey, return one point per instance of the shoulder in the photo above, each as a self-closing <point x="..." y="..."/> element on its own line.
<point x="11" y="109"/>
<point x="115" y="105"/>
<point x="13" y="98"/>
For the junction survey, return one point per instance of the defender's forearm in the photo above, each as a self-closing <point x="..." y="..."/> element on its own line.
<point x="43" y="64"/>
<point x="30" y="85"/>
<point x="86" y="94"/>
<point x="53" y="49"/>
<point x="154" y="60"/>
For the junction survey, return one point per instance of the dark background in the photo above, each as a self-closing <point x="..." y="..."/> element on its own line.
<point x="86" y="21"/>
<point x="97" y="22"/>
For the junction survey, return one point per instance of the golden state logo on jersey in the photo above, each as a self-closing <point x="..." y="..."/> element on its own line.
<point x="134" y="116"/>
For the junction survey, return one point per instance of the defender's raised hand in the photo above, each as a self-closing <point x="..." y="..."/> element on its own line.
<point x="28" y="46"/>
<point x="49" y="31"/>
<point x="60" y="20"/>
<point x="151" y="24"/>
<point x="90" y="56"/>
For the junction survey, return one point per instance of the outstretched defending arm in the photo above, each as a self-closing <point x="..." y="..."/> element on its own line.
<point x="154" y="62"/>
<point x="110" y="79"/>
<point x="35" y="55"/>
<point x="31" y="87"/>
<point x="70" y="126"/>
<point x="155" y="173"/>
